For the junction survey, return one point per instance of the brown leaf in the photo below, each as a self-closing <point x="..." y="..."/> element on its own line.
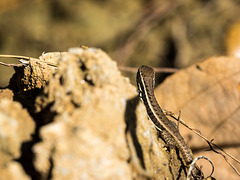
<point x="207" y="94"/>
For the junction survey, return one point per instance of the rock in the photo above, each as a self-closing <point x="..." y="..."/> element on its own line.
<point x="90" y="124"/>
<point x="6" y="93"/>
<point x="13" y="171"/>
<point x="86" y="140"/>
<point x="16" y="127"/>
<point x="35" y="75"/>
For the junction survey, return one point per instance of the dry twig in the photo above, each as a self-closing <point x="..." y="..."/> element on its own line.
<point x="210" y="142"/>
<point x="192" y="166"/>
<point x="157" y="70"/>
<point x="23" y="60"/>
<point x="11" y="65"/>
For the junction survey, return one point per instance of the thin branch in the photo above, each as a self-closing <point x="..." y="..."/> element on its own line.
<point x="17" y="57"/>
<point x="157" y="70"/>
<point x="211" y="148"/>
<point x="26" y="58"/>
<point x="211" y="144"/>
<point x="192" y="166"/>
<point x="12" y="65"/>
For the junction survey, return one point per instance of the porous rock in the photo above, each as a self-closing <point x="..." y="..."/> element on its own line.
<point x="91" y="123"/>
<point x="35" y="74"/>
<point x="85" y="140"/>
<point x="95" y="127"/>
<point x="16" y="127"/>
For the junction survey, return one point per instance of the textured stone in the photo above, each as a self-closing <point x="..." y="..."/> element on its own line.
<point x="86" y="138"/>
<point x="90" y="124"/>
<point x="16" y="127"/>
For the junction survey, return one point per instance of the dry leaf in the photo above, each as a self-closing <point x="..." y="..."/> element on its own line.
<point x="207" y="94"/>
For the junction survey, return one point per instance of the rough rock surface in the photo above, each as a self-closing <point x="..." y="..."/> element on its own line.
<point x="6" y="93"/>
<point x="86" y="138"/>
<point x="89" y="122"/>
<point x="35" y="75"/>
<point x="16" y="127"/>
<point x="95" y="108"/>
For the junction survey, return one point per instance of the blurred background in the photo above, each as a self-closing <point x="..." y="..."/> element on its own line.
<point x="159" y="33"/>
